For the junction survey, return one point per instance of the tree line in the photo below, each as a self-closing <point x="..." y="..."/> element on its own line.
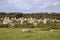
<point x="27" y="15"/>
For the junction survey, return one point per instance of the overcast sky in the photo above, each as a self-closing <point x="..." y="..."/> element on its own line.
<point x="28" y="6"/>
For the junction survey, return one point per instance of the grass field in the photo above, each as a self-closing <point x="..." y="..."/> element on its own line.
<point x="35" y="34"/>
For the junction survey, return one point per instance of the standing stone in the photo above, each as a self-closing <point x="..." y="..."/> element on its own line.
<point x="5" y="21"/>
<point x="44" y="21"/>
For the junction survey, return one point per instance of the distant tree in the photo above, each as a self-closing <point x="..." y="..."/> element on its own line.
<point x="19" y="15"/>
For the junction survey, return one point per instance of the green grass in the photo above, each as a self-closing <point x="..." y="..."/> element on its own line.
<point x="35" y="34"/>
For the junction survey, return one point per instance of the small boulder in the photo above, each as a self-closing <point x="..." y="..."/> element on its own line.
<point x="26" y="30"/>
<point x="53" y="30"/>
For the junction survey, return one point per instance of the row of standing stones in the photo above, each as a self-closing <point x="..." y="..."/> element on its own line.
<point x="34" y="21"/>
<point x="30" y="20"/>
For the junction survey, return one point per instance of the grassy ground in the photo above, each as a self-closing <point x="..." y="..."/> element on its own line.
<point x="35" y="34"/>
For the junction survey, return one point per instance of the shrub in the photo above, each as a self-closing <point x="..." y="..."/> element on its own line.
<point x="3" y="26"/>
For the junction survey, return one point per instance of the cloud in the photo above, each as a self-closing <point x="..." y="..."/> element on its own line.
<point x="36" y="1"/>
<point x="46" y="4"/>
<point x="55" y="3"/>
<point x="29" y="5"/>
<point x="24" y="4"/>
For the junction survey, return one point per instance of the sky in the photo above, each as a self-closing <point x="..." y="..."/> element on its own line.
<point x="29" y="6"/>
